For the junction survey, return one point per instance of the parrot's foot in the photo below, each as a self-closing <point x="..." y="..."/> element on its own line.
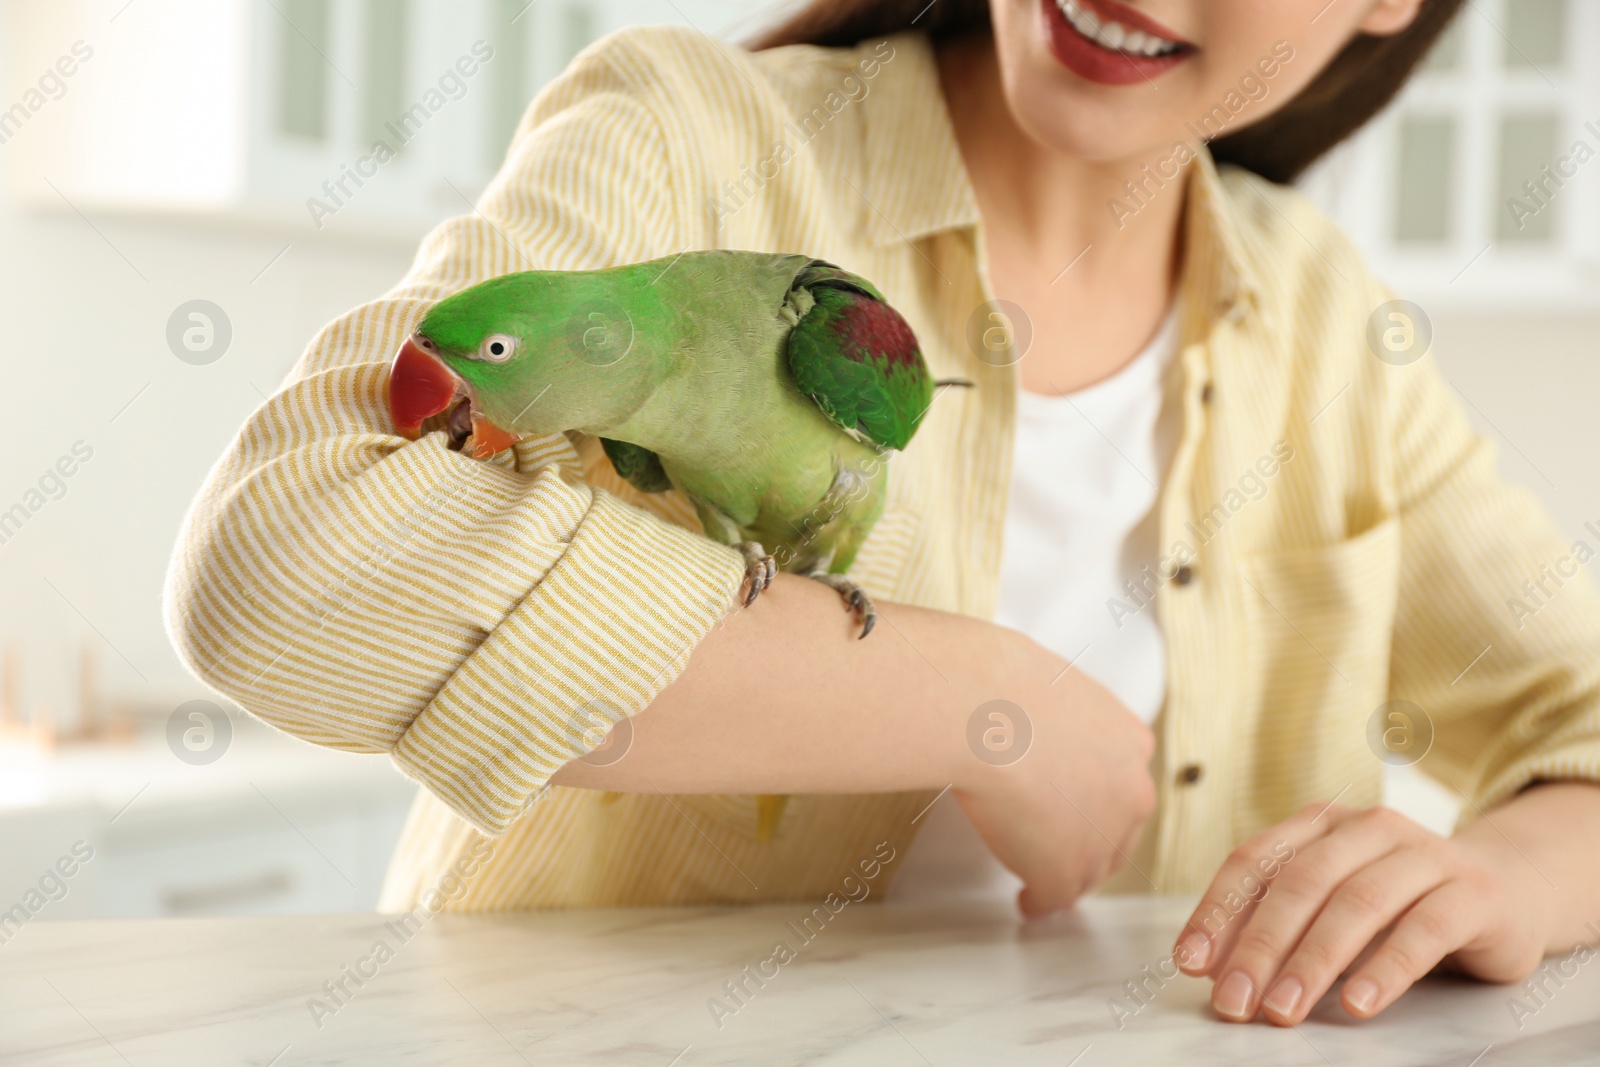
<point x="855" y="598"/>
<point x="759" y="569"/>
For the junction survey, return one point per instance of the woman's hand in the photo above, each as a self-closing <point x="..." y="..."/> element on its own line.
<point x="1065" y="815"/>
<point x="1300" y="902"/>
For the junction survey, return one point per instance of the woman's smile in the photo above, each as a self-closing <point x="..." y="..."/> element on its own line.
<point x="1110" y="43"/>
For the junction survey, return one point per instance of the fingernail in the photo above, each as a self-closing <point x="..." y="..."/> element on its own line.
<point x="1361" y="995"/>
<point x="1285" y="996"/>
<point x="1194" y="950"/>
<point x="1233" y="996"/>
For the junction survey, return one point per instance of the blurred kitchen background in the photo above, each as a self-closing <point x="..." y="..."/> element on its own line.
<point x="162" y="270"/>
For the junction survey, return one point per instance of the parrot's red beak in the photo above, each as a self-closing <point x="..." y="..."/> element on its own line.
<point x="421" y="385"/>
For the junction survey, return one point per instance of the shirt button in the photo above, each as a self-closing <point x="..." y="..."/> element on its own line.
<point x="1190" y="774"/>
<point x="1206" y="393"/>
<point x="1183" y="575"/>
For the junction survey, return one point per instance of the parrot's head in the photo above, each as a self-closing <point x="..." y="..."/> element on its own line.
<point x="521" y="355"/>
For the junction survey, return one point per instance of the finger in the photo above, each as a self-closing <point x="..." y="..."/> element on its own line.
<point x="1360" y="908"/>
<point x="1034" y="900"/>
<point x="1264" y="941"/>
<point x="1051" y="889"/>
<point x="1240" y="882"/>
<point x="1038" y="899"/>
<point x="1436" y="926"/>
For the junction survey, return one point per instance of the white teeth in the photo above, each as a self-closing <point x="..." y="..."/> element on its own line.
<point x="1114" y="35"/>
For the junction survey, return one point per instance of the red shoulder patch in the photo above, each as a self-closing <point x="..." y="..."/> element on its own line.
<point x="867" y="328"/>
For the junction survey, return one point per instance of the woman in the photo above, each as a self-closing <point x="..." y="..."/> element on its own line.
<point x="1269" y="531"/>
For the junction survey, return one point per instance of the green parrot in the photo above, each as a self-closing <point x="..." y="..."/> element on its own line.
<point x="766" y="388"/>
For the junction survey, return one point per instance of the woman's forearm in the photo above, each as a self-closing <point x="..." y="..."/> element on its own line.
<point x="781" y="697"/>
<point x="1549" y="838"/>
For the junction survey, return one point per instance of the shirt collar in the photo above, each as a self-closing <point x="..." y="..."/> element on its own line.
<point x="1219" y="276"/>
<point x="916" y="184"/>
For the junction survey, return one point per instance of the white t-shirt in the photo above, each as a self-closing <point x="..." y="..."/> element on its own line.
<point x="1081" y="522"/>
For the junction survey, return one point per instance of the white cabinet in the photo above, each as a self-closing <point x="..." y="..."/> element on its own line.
<point x="349" y="116"/>
<point x="331" y="864"/>
<point x="274" y="825"/>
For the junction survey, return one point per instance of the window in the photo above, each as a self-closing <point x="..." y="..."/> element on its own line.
<point x="511" y="20"/>
<point x="1529" y="198"/>
<point x="384" y="98"/>
<point x="1533" y="33"/>
<point x="1477" y="184"/>
<point x="302" y="69"/>
<point x="1446" y="54"/>
<point x="577" y="28"/>
<point x="1427" y="154"/>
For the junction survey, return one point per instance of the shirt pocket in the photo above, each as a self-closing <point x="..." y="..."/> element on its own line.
<point x="1318" y="624"/>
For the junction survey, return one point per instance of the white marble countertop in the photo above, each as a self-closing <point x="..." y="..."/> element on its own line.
<point x="934" y="983"/>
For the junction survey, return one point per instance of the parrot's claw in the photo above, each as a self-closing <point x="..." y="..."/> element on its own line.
<point x="759" y="569"/>
<point x="855" y="599"/>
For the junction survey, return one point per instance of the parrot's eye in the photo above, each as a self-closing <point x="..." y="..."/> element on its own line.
<point x="497" y="348"/>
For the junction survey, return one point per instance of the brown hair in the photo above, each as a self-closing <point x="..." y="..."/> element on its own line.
<point x="1356" y="85"/>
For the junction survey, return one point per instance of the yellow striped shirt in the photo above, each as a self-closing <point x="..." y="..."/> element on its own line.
<point x="1344" y="538"/>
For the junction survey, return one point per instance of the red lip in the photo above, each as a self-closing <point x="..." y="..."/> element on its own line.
<point x="1101" y="65"/>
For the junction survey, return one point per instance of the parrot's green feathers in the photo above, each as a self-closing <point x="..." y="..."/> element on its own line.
<point x="857" y="359"/>
<point x="499" y="305"/>
<point x="640" y="466"/>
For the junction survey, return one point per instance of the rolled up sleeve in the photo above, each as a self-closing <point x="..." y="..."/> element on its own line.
<point x="1507" y="674"/>
<point x="373" y="594"/>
